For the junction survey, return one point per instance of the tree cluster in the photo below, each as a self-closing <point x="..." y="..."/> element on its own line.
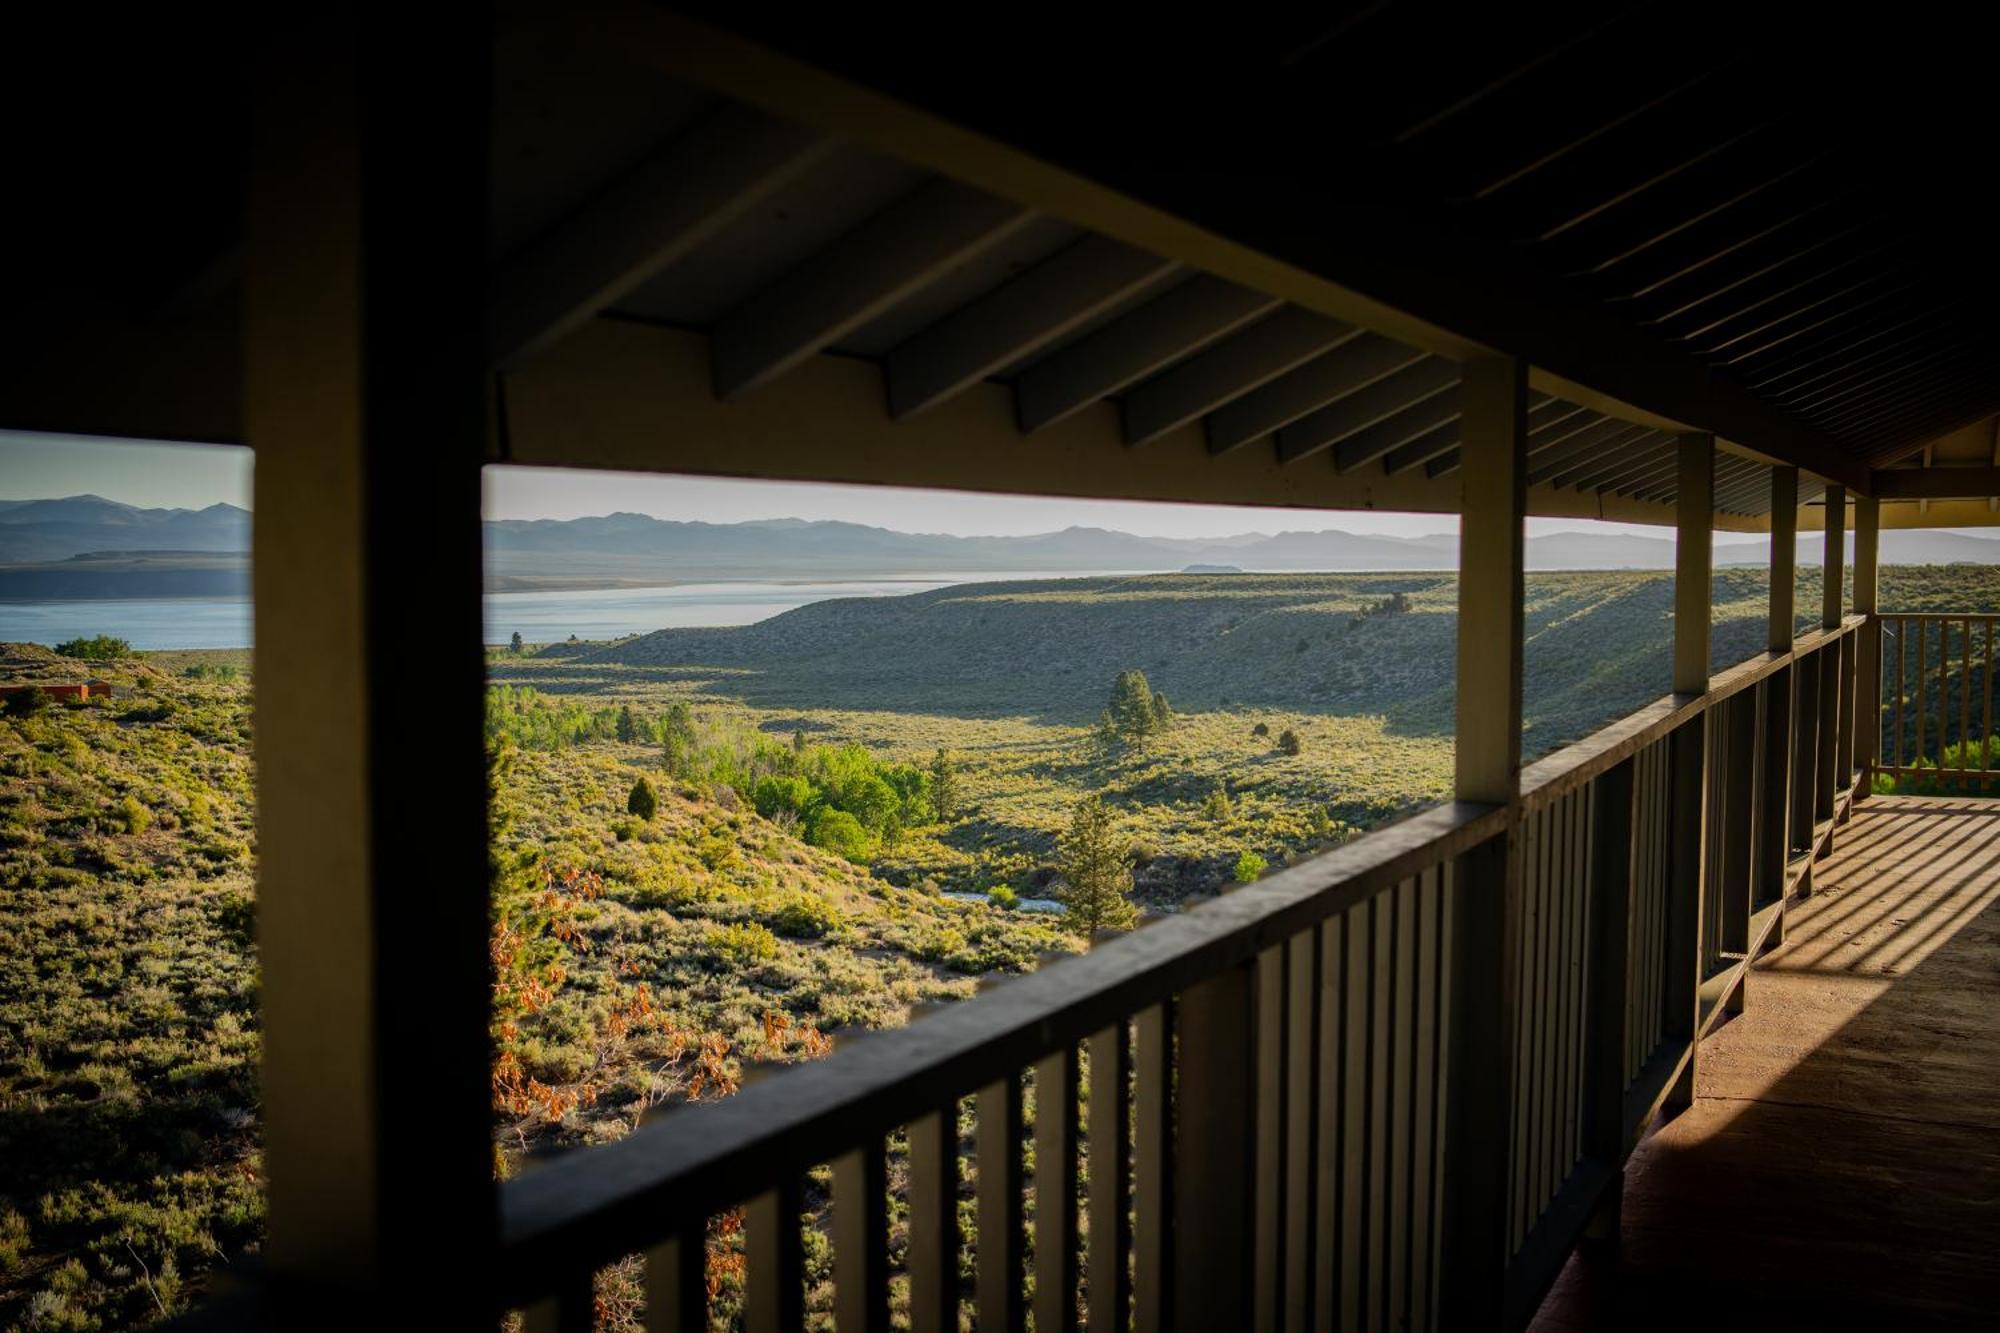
<point x="1136" y="711"/>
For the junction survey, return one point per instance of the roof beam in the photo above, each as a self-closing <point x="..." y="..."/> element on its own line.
<point x="1424" y="450"/>
<point x="1598" y="441"/>
<point x="1363" y="408"/>
<point x="1936" y="483"/>
<point x="899" y="251"/>
<point x="1256" y="356"/>
<point x="1351" y="366"/>
<point x="1555" y="430"/>
<point x="1380" y="439"/>
<point x="657" y="213"/>
<point x="1409" y="270"/>
<point x="1635" y="458"/>
<point x="1615" y="451"/>
<point x="1133" y="346"/>
<point x="1017" y="319"/>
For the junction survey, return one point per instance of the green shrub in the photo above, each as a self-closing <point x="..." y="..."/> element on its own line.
<point x="29" y="702"/>
<point x="1249" y="867"/>
<point x="1288" y="741"/>
<point x="1003" y="897"/>
<point x="133" y="815"/>
<point x="642" y="803"/>
<point x="806" y="916"/>
<point x="840" y="833"/>
<point x="744" y="944"/>
<point x="1261" y="729"/>
<point x="99" y="648"/>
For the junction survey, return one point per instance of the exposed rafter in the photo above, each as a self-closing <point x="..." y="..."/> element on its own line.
<point x="1137" y="344"/>
<point x="1017" y="319"/>
<point x="897" y="252"/>
<point x="1381" y="440"/>
<point x="1353" y="365"/>
<point x="657" y="213"/>
<point x="1234" y="366"/>
<point x="1363" y="408"/>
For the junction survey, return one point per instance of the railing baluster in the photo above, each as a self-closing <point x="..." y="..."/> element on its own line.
<point x="1428" y="981"/>
<point x="1986" y="685"/>
<point x="1151" y="1178"/>
<point x="677" y="1282"/>
<point x="1110" y="1179"/>
<point x="933" y="1226"/>
<point x="1301" y="1172"/>
<point x="570" y="1310"/>
<point x="1689" y="813"/>
<point x="1356" y="974"/>
<point x="1002" y="1269"/>
<point x="1381" y="1072"/>
<point x="861" y="1238"/>
<point x="1965" y="694"/>
<point x="1945" y="721"/>
<point x="1607" y="1042"/>
<point x="1268" y="1197"/>
<point x="1055" y="1192"/>
<point x="774" y="1282"/>
<point x="1214" y="1159"/>
<point x="1331" y="1065"/>
<point x="1923" y="674"/>
<point x="1902" y="633"/>
<point x="1402" y="1100"/>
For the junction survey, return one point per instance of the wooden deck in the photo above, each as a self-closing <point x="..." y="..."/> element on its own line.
<point x="1841" y="1165"/>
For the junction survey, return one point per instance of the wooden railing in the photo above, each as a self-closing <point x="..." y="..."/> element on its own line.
<point x="1937" y="704"/>
<point x="1387" y="1087"/>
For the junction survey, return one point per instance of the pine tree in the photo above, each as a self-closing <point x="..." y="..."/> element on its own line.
<point x="1132" y="705"/>
<point x="1163" y="714"/>
<point x="944" y="787"/>
<point x="1097" y="872"/>
<point x="1288" y="741"/>
<point x="516" y="644"/>
<point x="628" y="726"/>
<point x="642" y="802"/>
<point x="677" y="739"/>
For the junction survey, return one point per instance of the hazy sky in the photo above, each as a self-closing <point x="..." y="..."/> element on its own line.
<point x="191" y="476"/>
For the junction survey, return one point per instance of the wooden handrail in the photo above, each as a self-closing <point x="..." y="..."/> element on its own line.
<point x="1250" y="996"/>
<point x="590" y="1207"/>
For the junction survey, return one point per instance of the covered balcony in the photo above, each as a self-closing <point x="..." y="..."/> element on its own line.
<point x="1684" y="993"/>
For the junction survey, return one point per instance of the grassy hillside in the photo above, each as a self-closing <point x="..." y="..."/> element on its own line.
<point x="641" y="962"/>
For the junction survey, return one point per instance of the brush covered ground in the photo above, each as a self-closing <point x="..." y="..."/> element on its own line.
<point x="641" y="962"/>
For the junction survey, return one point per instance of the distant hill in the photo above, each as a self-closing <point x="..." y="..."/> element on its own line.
<point x="1312" y="643"/>
<point x="44" y="530"/>
<point x="629" y="549"/>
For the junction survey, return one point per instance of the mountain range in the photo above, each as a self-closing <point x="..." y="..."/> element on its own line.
<point x="44" y="545"/>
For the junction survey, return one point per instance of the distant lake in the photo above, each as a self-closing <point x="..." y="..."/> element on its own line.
<point x="539" y="617"/>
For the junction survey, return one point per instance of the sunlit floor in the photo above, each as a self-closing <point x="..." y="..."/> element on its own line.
<point x="1841" y="1165"/>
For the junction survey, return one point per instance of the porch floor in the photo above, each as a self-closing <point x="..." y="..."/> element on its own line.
<point x="1841" y="1165"/>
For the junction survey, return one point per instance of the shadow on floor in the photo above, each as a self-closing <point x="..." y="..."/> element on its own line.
<point x="1841" y="1165"/>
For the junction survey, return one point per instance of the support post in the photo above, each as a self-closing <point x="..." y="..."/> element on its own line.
<point x="1868" y="666"/>
<point x="1784" y="557"/>
<point x="1487" y="879"/>
<point x="1694" y="562"/>
<point x="366" y="400"/>
<point x="1832" y="600"/>
<point x="1694" y="565"/>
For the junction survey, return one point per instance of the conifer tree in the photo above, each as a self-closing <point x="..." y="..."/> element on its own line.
<point x="515" y="645"/>
<point x="642" y="802"/>
<point x="1097" y="872"/>
<point x="944" y="787"/>
<point x="628" y="726"/>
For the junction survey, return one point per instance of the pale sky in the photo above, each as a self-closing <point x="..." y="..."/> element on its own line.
<point x="34" y="466"/>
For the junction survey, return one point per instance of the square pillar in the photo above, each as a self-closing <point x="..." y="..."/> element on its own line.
<point x="1486" y="879"/>
<point x="366" y="399"/>
<point x="1868" y="664"/>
